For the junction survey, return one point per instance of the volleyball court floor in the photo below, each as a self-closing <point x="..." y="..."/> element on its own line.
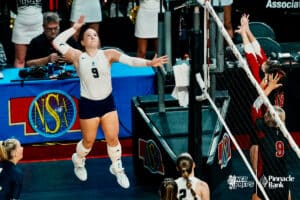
<point x="56" y="180"/>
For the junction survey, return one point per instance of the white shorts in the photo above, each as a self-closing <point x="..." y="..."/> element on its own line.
<point x="91" y="10"/>
<point x="146" y="25"/>
<point x="26" y="27"/>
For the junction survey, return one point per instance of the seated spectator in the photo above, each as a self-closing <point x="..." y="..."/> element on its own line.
<point x="62" y="8"/>
<point x="41" y="51"/>
<point x="189" y="186"/>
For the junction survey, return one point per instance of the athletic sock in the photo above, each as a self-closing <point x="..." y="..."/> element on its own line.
<point x="81" y="150"/>
<point x="115" y="154"/>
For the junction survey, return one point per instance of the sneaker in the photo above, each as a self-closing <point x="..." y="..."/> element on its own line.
<point x="122" y="178"/>
<point x="79" y="167"/>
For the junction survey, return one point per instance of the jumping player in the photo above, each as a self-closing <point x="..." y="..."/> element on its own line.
<point x="272" y="147"/>
<point x="261" y="69"/>
<point x="96" y="104"/>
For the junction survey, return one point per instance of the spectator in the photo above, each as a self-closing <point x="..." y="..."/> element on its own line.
<point x="3" y="60"/>
<point x="62" y="8"/>
<point x="272" y="145"/>
<point x="92" y="12"/>
<point x="223" y="8"/>
<point x="28" y="24"/>
<point x="189" y="186"/>
<point x="6" y="6"/>
<point x="168" y="189"/>
<point x="11" y="176"/>
<point x="96" y="104"/>
<point x="226" y="7"/>
<point x="40" y="50"/>
<point x="146" y="26"/>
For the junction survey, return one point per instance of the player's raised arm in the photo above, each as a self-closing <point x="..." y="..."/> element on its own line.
<point x="60" y="42"/>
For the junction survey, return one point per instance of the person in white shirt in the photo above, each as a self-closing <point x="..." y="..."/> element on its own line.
<point x="96" y="104"/>
<point x="189" y="186"/>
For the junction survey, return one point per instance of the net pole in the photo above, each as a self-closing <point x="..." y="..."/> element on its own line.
<point x="206" y="49"/>
<point x="220" y="117"/>
<point x="245" y="67"/>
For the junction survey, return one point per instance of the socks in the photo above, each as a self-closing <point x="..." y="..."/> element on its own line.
<point x="81" y="150"/>
<point x="115" y="154"/>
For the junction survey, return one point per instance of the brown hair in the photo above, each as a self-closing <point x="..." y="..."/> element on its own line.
<point x="168" y="189"/>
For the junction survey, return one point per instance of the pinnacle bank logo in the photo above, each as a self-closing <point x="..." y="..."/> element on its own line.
<point x="293" y="4"/>
<point x="275" y="182"/>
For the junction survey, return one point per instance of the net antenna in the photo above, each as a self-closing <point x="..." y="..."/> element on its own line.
<point x="207" y="5"/>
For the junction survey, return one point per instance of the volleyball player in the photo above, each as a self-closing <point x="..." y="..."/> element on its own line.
<point x="189" y="186"/>
<point x="261" y="69"/>
<point x="96" y="104"/>
<point x="11" y="176"/>
<point x="272" y="146"/>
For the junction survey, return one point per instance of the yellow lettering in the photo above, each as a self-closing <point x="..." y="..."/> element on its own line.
<point x="52" y="112"/>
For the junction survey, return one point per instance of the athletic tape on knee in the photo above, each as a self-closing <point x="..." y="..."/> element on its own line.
<point x="114" y="153"/>
<point x="132" y="61"/>
<point x="60" y="42"/>
<point x="81" y="150"/>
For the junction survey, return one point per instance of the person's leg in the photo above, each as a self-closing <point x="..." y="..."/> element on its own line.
<point x="89" y="129"/>
<point x="254" y="160"/>
<point x="110" y="127"/>
<point x="20" y="54"/>
<point x="141" y="47"/>
<point x="227" y="20"/>
<point x="254" y="156"/>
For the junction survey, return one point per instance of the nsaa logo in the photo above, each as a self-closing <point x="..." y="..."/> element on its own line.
<point x="52" y="113"/>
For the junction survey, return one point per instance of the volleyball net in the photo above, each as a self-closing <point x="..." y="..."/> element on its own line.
<point x="239" y="125"/>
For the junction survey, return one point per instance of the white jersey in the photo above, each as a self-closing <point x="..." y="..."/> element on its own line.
<point x="183" y="192"/>
<point x="95" y="76"/>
